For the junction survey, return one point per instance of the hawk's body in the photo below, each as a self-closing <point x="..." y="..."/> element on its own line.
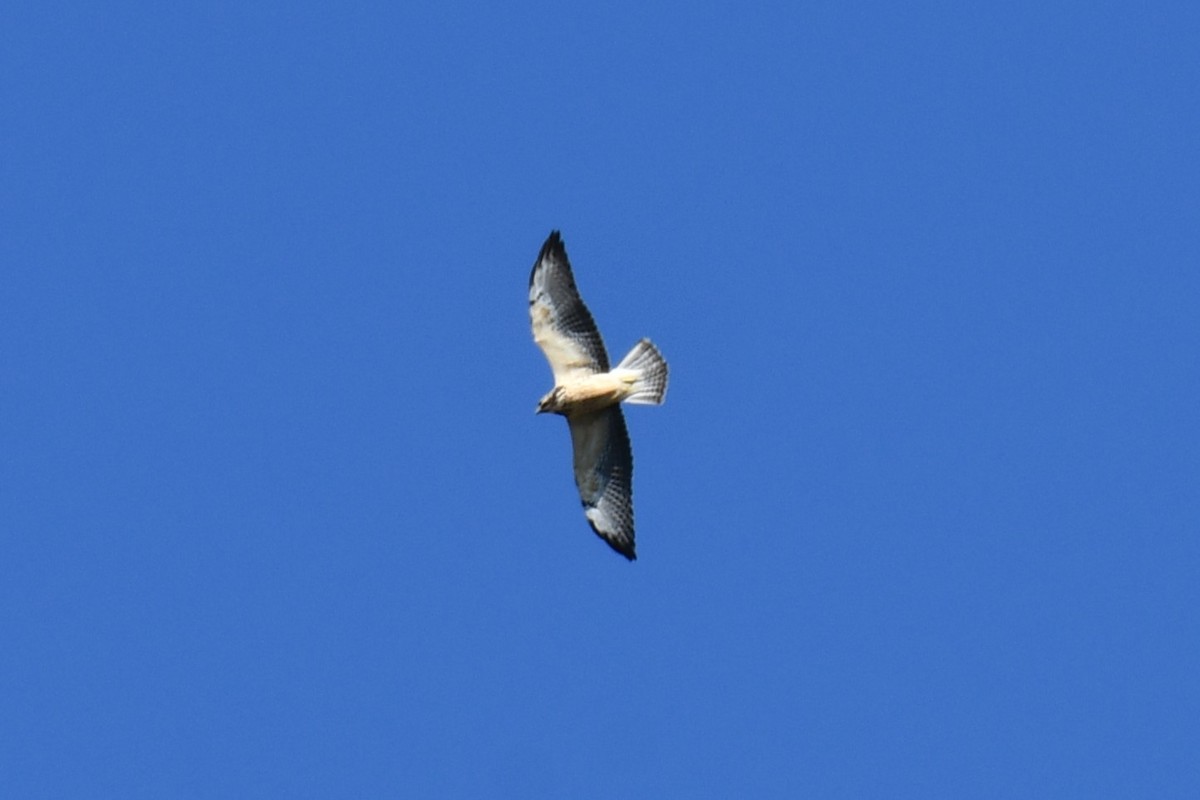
<point x="589" y="394"/>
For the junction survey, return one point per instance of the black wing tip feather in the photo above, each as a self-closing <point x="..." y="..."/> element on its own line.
<point x="622" y="546"/>
<point x="552" y="250"/>
<point x="554" y="247"/>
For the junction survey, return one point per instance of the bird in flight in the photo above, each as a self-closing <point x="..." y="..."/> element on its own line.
<point x="589" y="394"/>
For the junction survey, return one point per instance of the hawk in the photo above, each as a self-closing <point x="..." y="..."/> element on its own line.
<point x="589" y="394"/>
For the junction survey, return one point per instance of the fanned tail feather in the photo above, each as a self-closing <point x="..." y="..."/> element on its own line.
<point x="650" y="382"/>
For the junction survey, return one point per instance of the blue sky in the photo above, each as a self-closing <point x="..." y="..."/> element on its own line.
<point x="918" y="519"/>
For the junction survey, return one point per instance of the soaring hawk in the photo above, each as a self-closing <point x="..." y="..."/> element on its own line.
<point x="589" y="394"/>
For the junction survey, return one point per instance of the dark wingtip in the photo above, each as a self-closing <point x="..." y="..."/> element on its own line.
<point x="625" y="550"/>
<point x="553" y="246"/>
<point x="552" y="249"/>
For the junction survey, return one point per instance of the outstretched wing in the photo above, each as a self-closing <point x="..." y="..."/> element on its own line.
<point x="604" y="475"/>
<point x="562" y="325"/>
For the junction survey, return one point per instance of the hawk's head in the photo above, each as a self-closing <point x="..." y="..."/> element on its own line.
<point x="551" y="403"/>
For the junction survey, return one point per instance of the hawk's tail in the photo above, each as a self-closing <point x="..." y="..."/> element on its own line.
<point x="650" y="380"/>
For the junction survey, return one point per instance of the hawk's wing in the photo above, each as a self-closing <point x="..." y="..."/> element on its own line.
<point x="562" y="325"/>
<point x="604" y="475"/>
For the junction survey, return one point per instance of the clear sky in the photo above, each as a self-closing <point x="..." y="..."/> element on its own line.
<point x="919" y="518"/>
